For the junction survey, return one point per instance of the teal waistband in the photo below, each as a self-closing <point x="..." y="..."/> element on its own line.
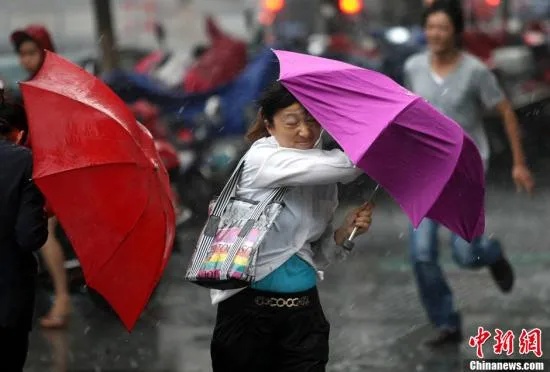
<point x="295" y="275"/>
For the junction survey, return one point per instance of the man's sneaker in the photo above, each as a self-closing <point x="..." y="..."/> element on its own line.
<point x="503" y="274"/>
<point x="445" y="337"/>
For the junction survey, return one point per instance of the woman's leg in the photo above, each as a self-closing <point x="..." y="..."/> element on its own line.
<point x="243" y="337"/>
<point x="303" y="338"/>
<point x="54" y="260"/>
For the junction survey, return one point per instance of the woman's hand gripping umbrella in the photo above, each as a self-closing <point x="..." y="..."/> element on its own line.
<point x="423" y="159"/>
<point x="348" y="244"/>
<point x="103" y="178"/>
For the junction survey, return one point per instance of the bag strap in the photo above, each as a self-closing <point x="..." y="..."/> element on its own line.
<point x="228" y="190"/>
<point x="210" y="229"/>
<point x="223" y="200"/>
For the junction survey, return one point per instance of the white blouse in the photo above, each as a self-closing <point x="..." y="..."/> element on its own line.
<point x="304" y="226"/>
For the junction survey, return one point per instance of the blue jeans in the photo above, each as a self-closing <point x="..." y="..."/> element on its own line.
<point x="435" y="294"/>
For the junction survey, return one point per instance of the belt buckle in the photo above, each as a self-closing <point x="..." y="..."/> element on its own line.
<point x="259" y="300"/>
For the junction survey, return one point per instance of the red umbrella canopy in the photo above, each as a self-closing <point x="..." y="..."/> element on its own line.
<point x="103" y="178"/>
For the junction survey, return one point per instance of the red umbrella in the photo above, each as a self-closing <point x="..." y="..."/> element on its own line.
<point x="104" y="180"/>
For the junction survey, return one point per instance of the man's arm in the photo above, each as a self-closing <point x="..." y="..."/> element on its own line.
<point x="511" y="125"/>
<point x="31" y="228"/>
<point x="492" y="96"/>
<point x="520" y="173"/>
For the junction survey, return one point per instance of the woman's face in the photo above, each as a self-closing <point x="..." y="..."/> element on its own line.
<point x="293" y="127"/>
<point x="440" y="33"/>
<point x="30" y="56"/>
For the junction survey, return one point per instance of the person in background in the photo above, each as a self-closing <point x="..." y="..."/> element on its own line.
<point x="29" y="44"/>
<point x="23" y="230"/>
<point x="417" y="30"/>
<point x="461" y="87"/>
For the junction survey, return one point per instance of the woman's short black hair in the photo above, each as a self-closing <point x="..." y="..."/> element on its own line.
<point x="275" y="98"/>
<point x="452" y="8"/>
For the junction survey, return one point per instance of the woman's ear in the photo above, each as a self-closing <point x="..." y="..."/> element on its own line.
<point x="268" y="127"/>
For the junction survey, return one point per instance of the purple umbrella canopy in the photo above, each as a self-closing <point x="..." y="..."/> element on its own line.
<point x="422" y="158"/>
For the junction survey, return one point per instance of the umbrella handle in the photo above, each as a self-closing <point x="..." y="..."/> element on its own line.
<point x="349" y="243"/>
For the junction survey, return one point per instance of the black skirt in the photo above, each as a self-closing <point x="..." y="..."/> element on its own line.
<point x="258" y="331"/>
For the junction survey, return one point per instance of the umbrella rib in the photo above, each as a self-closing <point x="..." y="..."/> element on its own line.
<point x="456" y="162"/>
<point x="323" y="73"/>
<point x="391" y="123"/>
<point x="75" y="169"/>
<point x="328" y="71"/>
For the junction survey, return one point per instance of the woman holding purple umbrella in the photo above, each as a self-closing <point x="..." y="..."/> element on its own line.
<point x="461" y="87"/>
<point x="278" y="323"/>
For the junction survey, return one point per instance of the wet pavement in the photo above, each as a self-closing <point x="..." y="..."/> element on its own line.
<point x="370" y="300"/>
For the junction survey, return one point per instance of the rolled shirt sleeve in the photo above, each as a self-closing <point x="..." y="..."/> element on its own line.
<point x="325" y="250"/>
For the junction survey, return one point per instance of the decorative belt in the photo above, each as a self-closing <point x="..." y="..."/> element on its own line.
<point x="289" y="302"/>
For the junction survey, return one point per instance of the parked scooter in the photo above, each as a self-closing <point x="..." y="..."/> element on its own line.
<point x="537" y="38"/>
<point x="206" y="159"/>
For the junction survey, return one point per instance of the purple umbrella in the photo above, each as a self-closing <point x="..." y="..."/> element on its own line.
<point x="423" y="159"/>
